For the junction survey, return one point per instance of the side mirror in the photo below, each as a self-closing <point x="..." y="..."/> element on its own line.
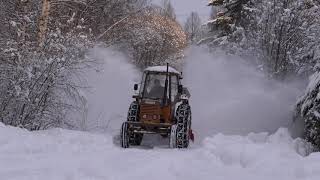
<point x="136" y="86"/>
<point x="180" y="89"/>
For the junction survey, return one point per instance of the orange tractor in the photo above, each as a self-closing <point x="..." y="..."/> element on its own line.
<point x="161" y="106"/>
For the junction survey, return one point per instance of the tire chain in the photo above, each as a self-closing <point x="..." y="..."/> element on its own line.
<point x="133" y="112"/>
<point x="134" y="139"/>
<point x="183" y="117"/>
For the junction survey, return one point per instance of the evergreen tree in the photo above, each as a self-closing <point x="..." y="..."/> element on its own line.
<point x="281" y="35"/>
<point x="227" y="28"/>
<point x="308" y="110"/>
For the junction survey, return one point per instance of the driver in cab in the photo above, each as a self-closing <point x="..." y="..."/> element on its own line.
<point x="157" y="90"/>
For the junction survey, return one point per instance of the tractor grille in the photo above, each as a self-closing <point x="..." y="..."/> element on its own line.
<point x="150" y="113"/>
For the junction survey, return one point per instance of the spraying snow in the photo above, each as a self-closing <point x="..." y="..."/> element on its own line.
<point x="229" y="96"/>
<point x="111" y="88"/>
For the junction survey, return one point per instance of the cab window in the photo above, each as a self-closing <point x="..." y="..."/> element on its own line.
<point x="174" y="87"/>
<point x="154" y="86"/>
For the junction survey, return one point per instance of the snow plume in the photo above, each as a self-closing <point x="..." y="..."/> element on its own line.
<point x="229" y="96"/>
<point x="111" y="89"/>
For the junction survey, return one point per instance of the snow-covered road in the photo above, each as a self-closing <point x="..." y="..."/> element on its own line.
<point x="70" y="155"/>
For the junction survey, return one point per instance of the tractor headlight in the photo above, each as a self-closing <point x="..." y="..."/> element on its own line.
<point x="144" y="116"/>
<point x="155" y="117"/>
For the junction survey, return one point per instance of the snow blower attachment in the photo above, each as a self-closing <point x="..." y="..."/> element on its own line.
<point x="161" y="106"/>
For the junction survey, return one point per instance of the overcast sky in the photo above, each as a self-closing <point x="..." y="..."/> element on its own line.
<point x="185" y="7"/>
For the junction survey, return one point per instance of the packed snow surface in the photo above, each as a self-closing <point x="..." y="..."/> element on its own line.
<point x="70" y="155"/>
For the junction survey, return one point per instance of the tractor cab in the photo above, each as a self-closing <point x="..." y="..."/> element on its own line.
<point x="160" y="85"/>
<point x="160" y="90"/>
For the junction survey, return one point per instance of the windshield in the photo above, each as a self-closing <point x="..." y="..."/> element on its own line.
<point x="154" y="86"/>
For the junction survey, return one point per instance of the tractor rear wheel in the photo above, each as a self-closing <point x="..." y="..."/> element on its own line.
<point x="183" y="118"/>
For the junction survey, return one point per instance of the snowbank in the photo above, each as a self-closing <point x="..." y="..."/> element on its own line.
<point x="70" y="155"/>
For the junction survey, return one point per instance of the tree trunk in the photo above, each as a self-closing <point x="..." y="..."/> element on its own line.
<point x="43" y="21"/>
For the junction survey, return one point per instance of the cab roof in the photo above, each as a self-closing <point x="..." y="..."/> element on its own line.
<point x="162" y="69"/>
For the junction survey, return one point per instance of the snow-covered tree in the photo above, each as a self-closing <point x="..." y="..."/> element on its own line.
<point x="37" y="85"/>
<point x="167" y="9"/>
<point x="192" y="27"/>
<point x="282" y="35"/>
<point x="150" y="38"/>
<point x="101" y="14"/>
<point x="227" y="26"/>
<point x="289" y="32"/>
<point x="308" y="110"/>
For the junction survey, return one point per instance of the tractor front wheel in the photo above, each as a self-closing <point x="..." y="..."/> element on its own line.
<point x="133" y="116"/>
<point x="173" y="137"/>
<point x="124" y="135"/>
